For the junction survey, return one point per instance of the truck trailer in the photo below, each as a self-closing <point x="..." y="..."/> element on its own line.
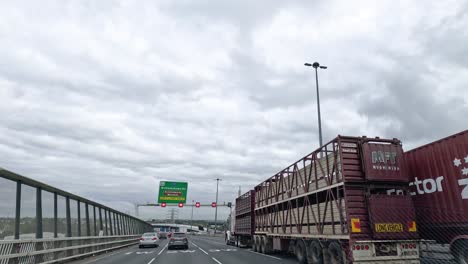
<point x="439" y="185"/>
<point x="244" y="220"/>
<point x="333" y="206"/>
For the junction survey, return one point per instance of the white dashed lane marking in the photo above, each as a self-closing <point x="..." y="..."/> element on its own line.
<point x="206" y="253"/>
<point x="219" y="262"/>
<point x="263" y="254"/>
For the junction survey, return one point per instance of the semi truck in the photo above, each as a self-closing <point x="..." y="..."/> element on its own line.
<point x="333" y="206"/>
<point x="439" y="187"/>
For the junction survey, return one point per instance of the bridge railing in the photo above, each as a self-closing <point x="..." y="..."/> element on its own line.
<point x="40" y="223"/>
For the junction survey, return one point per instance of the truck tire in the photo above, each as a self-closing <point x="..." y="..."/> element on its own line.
<point x="268" y="245"/>
<point x="256" y="244"/>
<point x="263" y="245"/>
<point x="335" y="253"/>
<point x="315" y="252"/>
<point x="461" y="252"/>
<point x="300" y="252"/>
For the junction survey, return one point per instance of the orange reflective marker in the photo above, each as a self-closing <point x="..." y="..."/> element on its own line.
<point x="355" y="225"/>
<point x="412" y="226"/>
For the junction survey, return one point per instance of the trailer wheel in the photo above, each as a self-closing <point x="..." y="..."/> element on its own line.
<point x="256" y="244"/>
<point x="335" y="253"/>
<point x="300" y="252"/>
<point x="268" y="245"/>
<point x="461" y="253"/>
<point x="263" y="245"/>
<point x="315" y="252"/>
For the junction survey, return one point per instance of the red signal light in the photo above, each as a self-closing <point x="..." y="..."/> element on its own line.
<point x="213" y="204"/>
<point x="197" y="204"/>
<point x="181" y="205"/>
<point x="163" y="204"/>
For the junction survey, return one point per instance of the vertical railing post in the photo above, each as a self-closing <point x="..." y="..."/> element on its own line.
<point x="55" y="216"/>
<point x="106" y="225"/>
<point x="119" y="216"/>
<point x="116" y="224"/>
<point x="18" y="210"/>
<point x="125" y="218"/>
<point x="95" y="221"/>
<point x="111" y="226"/>
<point x="88" y="225"/>
<point x="130" y="225"/>
<point x="78" y="211"/>
<point x="68" y="215"/>
<point x="39" y="246"/>
<point x="38" y="212"/>
<point x="101" y="225"/>
<point x="69" y="228"/>
<point x="78" y="205"/>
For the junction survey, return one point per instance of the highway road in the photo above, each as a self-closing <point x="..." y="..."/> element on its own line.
<point x="202" y="250"/>
<point x="207" y="250"/>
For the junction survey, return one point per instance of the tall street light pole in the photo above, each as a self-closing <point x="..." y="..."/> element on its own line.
<point x="216" y="208"/>
<point x="317" y="65"/>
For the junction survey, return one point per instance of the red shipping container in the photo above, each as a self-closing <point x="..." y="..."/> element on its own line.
<point x="439" y="185"/>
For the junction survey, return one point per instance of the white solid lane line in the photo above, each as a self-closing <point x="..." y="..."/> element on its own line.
<point x="263" y="254"/>
<point x="105" y="256"/>
<point x="216" y="260"/>
<point x="151" y="261"/>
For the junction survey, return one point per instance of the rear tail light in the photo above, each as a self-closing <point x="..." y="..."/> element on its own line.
<point x="154" y="238"/>
<point x="141" y="238"/>
<point x="408" y="246"/>
<point x="361" y="247"/>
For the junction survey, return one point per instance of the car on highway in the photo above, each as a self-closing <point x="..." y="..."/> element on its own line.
<point x="178" y="240"/>
<point x="162" y="235"/>
<point x="149" y="240"/>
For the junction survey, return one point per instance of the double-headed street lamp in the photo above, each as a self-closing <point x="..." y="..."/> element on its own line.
<point x="317" y="65"/>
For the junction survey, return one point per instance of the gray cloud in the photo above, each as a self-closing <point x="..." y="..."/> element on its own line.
<point x="105" y="99"/>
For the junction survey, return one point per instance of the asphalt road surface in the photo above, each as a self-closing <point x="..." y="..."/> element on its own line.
<point x="209" y="250"/>
<point x="202" y="250"/>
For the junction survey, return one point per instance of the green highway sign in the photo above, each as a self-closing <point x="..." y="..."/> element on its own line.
<point x="172" y="192"/>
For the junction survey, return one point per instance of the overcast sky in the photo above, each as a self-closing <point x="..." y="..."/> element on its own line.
<point x="106" y="98"/>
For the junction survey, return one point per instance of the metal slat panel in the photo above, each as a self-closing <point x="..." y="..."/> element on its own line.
<point x="5" y="249"/>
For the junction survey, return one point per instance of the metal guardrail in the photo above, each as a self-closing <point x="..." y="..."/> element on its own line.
<point x="96" y="227"/>
<point x="60" y="249"/>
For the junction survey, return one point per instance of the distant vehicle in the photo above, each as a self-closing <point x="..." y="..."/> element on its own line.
<point x="332" y="206"/>
<point x="178" y="240"/>
<point x="162" y="235"/>
<point x="439" y="185"/>
<point x="149" y="239"/>
<point x="230" y="238"/>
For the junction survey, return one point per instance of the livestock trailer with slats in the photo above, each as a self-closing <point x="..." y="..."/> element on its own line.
<point x="244" y="219"/>
<point x="439" y="185"/>
<point x="332" y="206"/>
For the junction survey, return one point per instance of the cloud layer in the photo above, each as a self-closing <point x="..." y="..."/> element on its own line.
<point x="107" y="98"/>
